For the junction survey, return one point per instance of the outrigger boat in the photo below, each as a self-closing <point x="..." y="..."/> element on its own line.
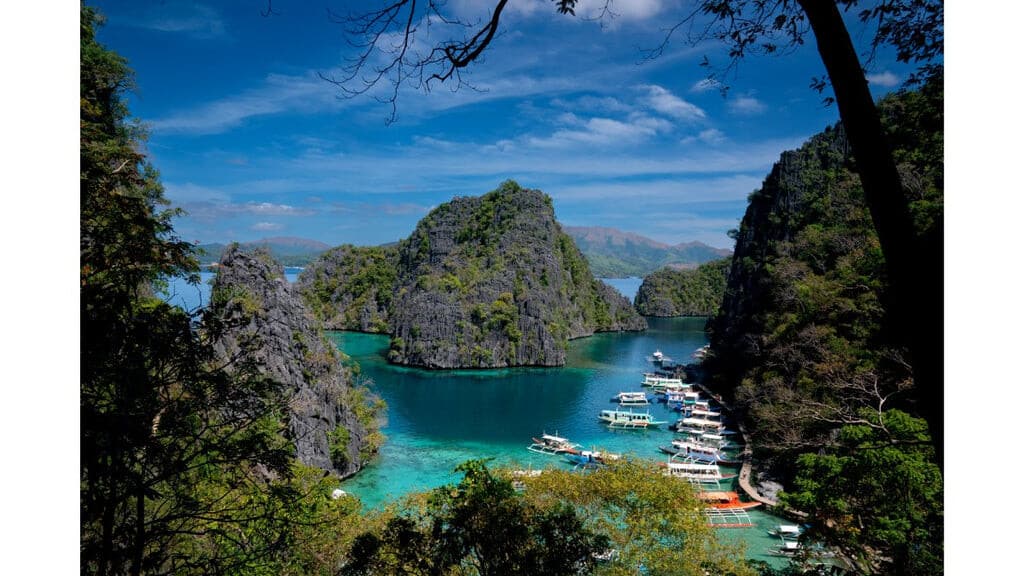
<point x="701" y="425"/>
<point x="786" y="531"/>
<point x="631" y="399"/>
<point x="698" y="452"/>
<point x="587" y="457"/>
<point x="683" y="398"/>
<point x="659" y="358"/>
<point x="628" y="419"/>
<point x="713" y="440"/>
<point x="657" y="381"/>
<point x="696" y="472"/>
<point x="787" y="548"/>
<point x="548" y="444"/>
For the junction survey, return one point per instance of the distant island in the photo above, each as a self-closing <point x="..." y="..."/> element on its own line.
<point x="697" y="292"/>
<point x="482" y="282"/>
<point x="614" y="253"/>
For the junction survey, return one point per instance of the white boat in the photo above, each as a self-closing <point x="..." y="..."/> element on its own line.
<point x="655" y="380"/>
<point x="659" y="358"/>
<point x="787" y="548"/>
<point x="627" y="419"/>
<point x="632" y="399"/>
<point x="706" y="414"/>
<point x="549" y="444"/>
<point x="697" y="472"/>
<point x="591" y="457"/>
<point x="698" y="452"/>
<point x="786" y="531"/>
<point x="701" y="425"/>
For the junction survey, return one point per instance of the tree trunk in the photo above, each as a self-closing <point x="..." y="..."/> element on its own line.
<point x="914" y="264"/>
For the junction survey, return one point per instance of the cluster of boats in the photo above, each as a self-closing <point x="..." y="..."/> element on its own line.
<point x="697" y="451"/>
<point x="701" y="445"/>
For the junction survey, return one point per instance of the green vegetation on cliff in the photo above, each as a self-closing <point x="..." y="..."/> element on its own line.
<point x="351" y="288"/>
<point x="803" y="345"/>
<point x="698" y="292"/>
<point x="492" y="281"/>
<point x="482" y="282"/>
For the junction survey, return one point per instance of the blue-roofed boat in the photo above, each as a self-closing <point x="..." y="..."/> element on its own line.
<point x="587" y="457"/>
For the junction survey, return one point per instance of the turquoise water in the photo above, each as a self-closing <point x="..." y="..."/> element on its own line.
<point x="180" y="293"/>
<point x="438" y="419"/>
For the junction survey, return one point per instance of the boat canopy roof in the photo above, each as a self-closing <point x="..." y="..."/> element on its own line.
<point x="554" y="438"/>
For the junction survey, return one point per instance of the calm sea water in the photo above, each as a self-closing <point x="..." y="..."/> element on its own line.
<point x="438" y="419"/>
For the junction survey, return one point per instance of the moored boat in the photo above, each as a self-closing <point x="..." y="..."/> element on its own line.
<point x="627" y="419"/>
<point x="701" y="425"/>
<point x="551" y="444"/>
<point x="590" y="457"/>
<point x="698" y="472"/>
<point x="697" y="452"/>
<point x="786" y="531"/>
<point x="631" y="399"/>
<point x="657" y="381"/>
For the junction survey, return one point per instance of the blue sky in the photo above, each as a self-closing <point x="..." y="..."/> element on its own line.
<point x="251" y="142"/>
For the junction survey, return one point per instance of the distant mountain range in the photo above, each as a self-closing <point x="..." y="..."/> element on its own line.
<point x="288" y="251"/>
<point x="613" y="253"/>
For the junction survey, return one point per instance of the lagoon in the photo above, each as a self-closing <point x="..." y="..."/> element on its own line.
<point x="438" y="419"/>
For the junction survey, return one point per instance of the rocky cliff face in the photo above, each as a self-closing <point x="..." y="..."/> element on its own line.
<point x="332" y="423"/>
<point x="803" y="320"/>
<point x="492" y="281"/>
<point x="351" y="288"/>
<point x="670" y="292"/>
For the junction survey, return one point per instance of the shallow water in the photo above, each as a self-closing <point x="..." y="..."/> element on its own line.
<point x="438" y="419"/>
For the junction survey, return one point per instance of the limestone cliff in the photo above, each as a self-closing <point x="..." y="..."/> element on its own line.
<point x="351" y="288"/>
<point x="493" y="281"/>
<point x="670" y="292"/>
<point x="332" y="423"/>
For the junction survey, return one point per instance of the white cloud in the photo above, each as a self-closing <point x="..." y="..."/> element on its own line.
<point x="279" y="93"/>
<point x="588" y="103"/>
<point x="600" y="131"/>
<point x="746" y="105"/>
<point x="705" y="85"/>
<point x="885" y="79"/>
<point x="626" y="10"/>
<point x="669" y="104"/>
<point x="196" y="20"/>
<point x="266" y="226"/>
<point x="711" y="136"/>
<point x="661" y="192"/>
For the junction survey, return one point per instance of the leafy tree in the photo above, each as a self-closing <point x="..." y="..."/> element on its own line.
<point x="885" y="466"/>
<point x="913" y="27"/>
<point x="184" y="467"/>
<point x="479" y="526"/>
<point x="652" y="520"/>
